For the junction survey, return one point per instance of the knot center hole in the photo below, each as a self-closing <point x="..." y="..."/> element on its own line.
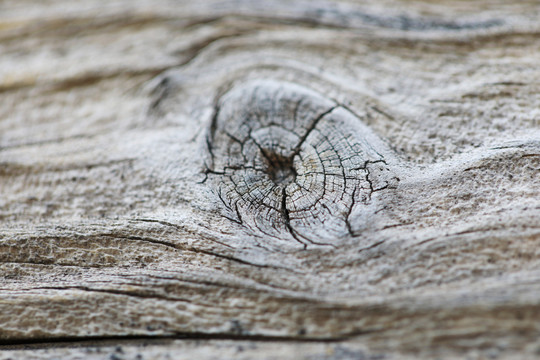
<point x="280" y="168"/>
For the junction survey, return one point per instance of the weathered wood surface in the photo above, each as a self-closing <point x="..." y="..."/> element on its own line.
<point x="234" y="179"/>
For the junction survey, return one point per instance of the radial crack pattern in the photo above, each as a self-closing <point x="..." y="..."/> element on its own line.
<point x="290" y="161"/>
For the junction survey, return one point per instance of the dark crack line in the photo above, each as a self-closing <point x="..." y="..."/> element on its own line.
<point x="145" y="239"/>
<point x="161" y="222"/>
<point x="381" y="112"/>
<point x="199" y="251"/>
<point x="111" y="292"/>
<point x="244" y="262"/>
<point x="178" y="227"/>
<point x="396" y="225"/>
<point x="286" y="219"/>
<point x="313" y="125"/>
<point x="243" y="167"/>
<point x="266" y="196"/>
<point x="377" y="244"/>
<point x="205" y="172"/>
<point x="295" y="234"/>
<point x="367" y="162"/>
<point x="348" y="215"/>
<point x="237" y="212"/>
<point x="211" y="134"/>
<point x="262" y="230"/>
<point x="266" y="155"/>
<point x="339" y="176"/>
<point x="464" y="232"/>
<point x="258" y="287"/>
<point x="114" y="340"/>
<point x="235" y="139"/>
<point x="368" y="172"/>
<point x="239" y="219"/>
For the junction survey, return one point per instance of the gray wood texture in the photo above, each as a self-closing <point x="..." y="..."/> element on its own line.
<point x="276" y="180"/>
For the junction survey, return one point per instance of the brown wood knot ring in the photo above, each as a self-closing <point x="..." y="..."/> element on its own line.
<point x="288" y="162"/>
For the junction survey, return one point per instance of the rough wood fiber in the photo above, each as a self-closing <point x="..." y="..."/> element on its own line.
<point x="239" y="179"/>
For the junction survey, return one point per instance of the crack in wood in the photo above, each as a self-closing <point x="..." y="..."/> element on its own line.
<point x="68" y="342"/>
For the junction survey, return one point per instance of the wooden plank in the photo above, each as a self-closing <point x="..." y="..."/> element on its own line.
<point x="348" y="180"/>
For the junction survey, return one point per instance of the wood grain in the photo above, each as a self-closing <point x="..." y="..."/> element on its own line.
<point x="243" y="179"/>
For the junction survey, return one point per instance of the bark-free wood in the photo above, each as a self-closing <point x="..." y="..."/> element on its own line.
<point x="122" y="221"/>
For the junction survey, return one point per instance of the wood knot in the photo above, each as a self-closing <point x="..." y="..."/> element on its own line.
<point x="279" y="168"/>
<point x="290" y="163"/>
